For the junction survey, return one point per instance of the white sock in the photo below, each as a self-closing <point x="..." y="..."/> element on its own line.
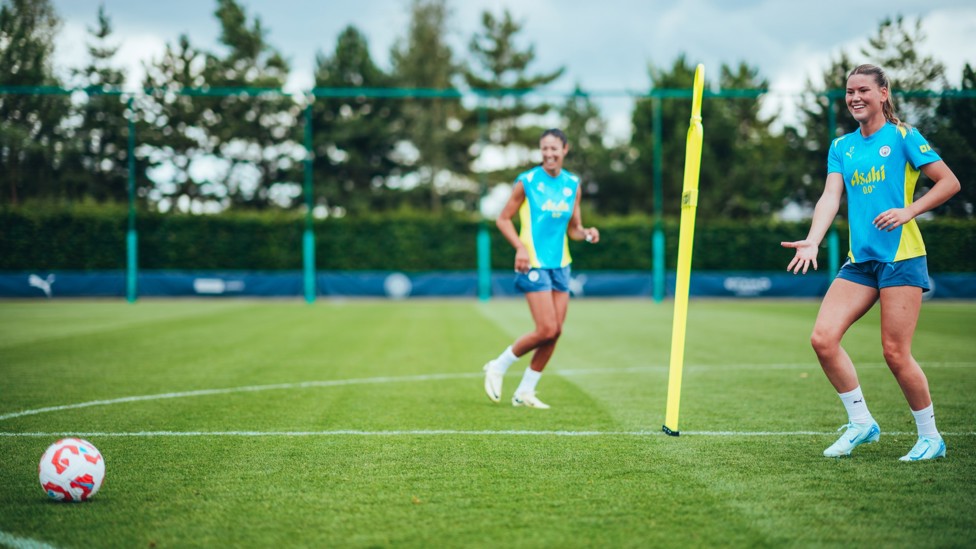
<point x="925" y="421"/>
<point x="529" y="380"/>
<point x="857" y="410"/>
<point x="504" y="360"/>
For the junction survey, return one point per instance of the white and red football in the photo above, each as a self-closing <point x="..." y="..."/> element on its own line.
<point x="71" y="469"/>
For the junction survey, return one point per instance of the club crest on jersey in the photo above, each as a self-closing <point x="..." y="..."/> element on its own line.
<point x="567" y="192"/>
<point x="884" y="151"/>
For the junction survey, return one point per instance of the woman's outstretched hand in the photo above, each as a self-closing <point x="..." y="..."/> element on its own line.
<point x="806" y="254"/>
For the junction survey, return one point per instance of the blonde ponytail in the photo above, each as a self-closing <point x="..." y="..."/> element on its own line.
<point x="881" y="79"/>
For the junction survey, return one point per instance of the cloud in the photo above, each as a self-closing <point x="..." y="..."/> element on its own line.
<point x="604" y="46"/>
<point x="135" y="46"/>
<point x="951" y="38"/>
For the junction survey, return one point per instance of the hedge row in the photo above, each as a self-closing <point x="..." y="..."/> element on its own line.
<point x="93" y="238"/>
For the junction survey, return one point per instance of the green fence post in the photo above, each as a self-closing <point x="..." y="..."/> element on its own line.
<point x="658" y="239"/>
<point x="832" y="241"/>
<point x="484" y="238"/>
<point x="658" y="263"/>
<point x="308" y="239"/>
<point x="484" y="262"/>
<point x="131" y="237"/>
<point x="833" y="251"/>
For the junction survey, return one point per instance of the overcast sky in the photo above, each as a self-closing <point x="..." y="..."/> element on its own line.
<point x="605" y="45"/>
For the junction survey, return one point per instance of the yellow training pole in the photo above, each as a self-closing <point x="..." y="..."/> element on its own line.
<point x="689" y="205"/>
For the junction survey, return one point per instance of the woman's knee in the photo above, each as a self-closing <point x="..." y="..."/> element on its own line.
<point x="896" y="353"/>
<point x="549" y="332"/>
<point x="824" y="341"/>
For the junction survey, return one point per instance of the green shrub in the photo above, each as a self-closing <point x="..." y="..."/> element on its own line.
<point x="91" y="237"/>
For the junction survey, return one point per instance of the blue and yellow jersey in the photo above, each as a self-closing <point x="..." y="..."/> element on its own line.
<point x="879" y="173"/>
<point x="545" y="215"/>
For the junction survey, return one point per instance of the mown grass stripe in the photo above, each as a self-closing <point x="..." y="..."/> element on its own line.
<point x="418" y="378"/>
<point x="440" y="432"/>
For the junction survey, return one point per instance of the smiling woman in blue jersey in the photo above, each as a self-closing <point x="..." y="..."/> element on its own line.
<point x="547" y="199"/>
<point x="878" y="166"/>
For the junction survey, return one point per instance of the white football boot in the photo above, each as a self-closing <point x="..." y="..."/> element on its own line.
<point x="493" y="382"/>
<point x="926" y="448"/>
<point x="529" y="400"/>
<point x="855" y="435"/>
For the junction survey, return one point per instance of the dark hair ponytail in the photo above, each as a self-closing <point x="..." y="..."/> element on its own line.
<point x="557" y="133"/>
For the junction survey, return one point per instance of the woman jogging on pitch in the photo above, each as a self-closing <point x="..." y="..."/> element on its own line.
<point x="877" y="165"/>
<point x="547" y="198"/>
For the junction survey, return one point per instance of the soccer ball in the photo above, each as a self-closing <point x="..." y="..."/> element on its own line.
<point x="71" y="470"/>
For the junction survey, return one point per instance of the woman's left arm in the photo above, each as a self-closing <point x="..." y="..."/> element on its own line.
<point x="945" y="184"/>
<point x="575" y="230"/>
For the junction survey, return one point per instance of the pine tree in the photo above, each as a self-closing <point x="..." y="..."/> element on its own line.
<point x="675" y="115"/>
<point x="602" y="168"/>
<point x="744" y="162"/>
<point x="952" y="132"/>
<point x="434" y="126"/>
<point x="894" y="48"/>
<point x="170" y="129"/>
<point x="99" y="145"/>
<point x="739" y="176"/>
<point x="354" y="137"/>
<point x="501" y="72"/>
<point x="256" y="133"/>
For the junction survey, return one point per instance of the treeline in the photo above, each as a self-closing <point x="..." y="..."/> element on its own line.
<point x="92" y="239"/>
<point x="209" y="136"/>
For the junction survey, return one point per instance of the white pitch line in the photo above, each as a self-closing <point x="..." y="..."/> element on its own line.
<point x="442" y="432"/>
<point x="14" y="542"/>
<point x="250" y="388"/>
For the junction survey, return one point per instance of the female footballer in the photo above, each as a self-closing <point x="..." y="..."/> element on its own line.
<point x="547" y="199"/>
<point x="877" y="165"/>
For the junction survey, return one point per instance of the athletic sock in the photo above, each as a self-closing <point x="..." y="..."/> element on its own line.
<point x="857" y="410"/>
<point x="504" y="361"/>
<point x="529" y="380"/>
<point x="925" y="421"/>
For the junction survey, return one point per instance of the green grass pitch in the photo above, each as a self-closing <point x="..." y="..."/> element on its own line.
<point x="364" y="424"/>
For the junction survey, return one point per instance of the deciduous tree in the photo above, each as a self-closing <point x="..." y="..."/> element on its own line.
<point x="30" y="119"/>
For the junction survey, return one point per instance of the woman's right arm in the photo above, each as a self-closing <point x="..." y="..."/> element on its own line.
<point x="823" y="216"/>
<point x="507" y="227"/>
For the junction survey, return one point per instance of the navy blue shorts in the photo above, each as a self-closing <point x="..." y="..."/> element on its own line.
<point x="878" y="274"/>
<point x="543" y="280"/>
